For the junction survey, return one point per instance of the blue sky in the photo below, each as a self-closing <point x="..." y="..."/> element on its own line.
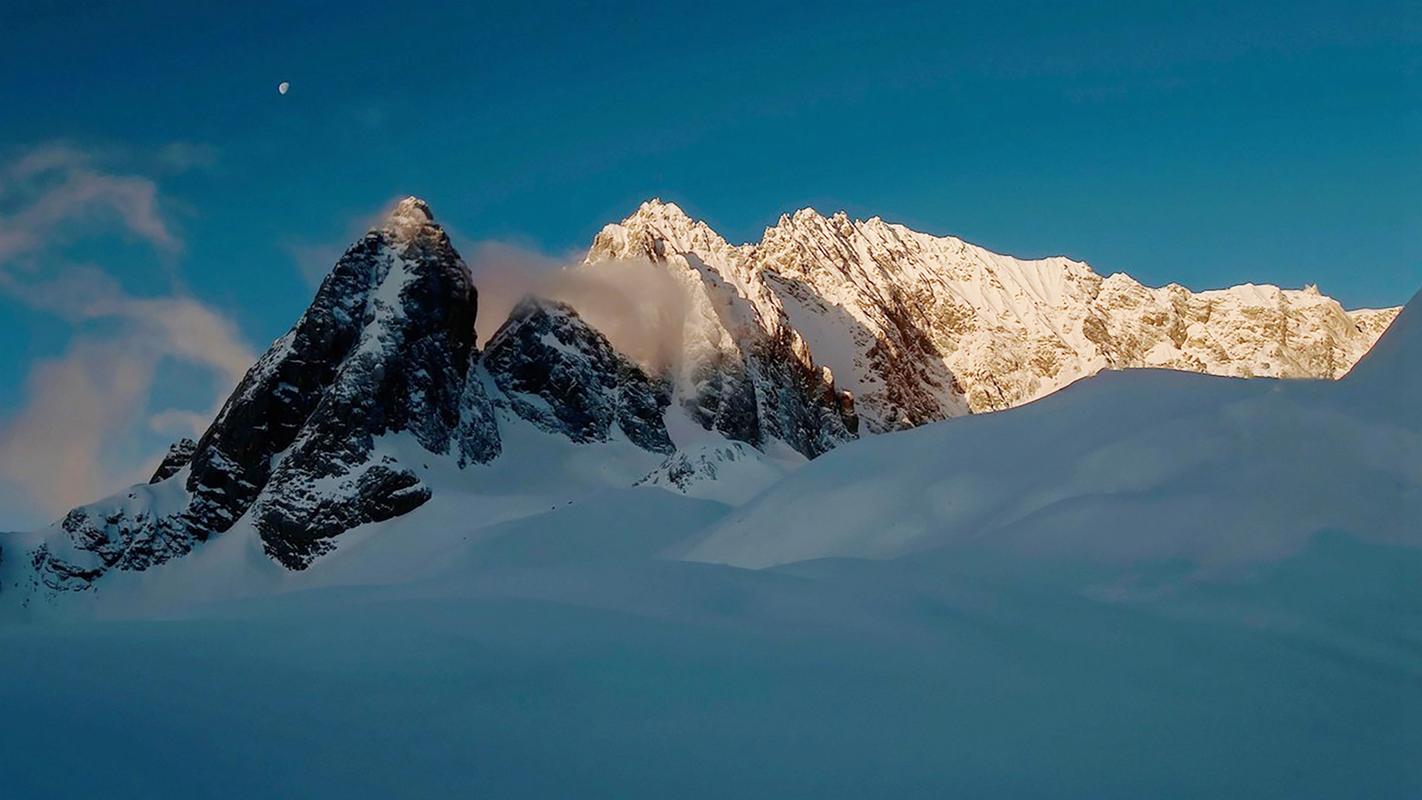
<point x="1204" y="143"/>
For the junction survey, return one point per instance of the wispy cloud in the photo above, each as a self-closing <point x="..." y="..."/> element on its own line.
<point x="57" y="192"/>
<point x="75" y="437"/>
<point x="79" y="430"/>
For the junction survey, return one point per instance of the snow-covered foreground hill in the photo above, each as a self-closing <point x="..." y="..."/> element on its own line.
<point x="1147" y="585"/>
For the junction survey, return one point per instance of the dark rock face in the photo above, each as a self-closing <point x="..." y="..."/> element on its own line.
<point x="298" y="523"/>
<point x="180" y="454"/>
<point x="476" y="436"/>
<point x="126" y="538"/>
<point x="558" y="373"/>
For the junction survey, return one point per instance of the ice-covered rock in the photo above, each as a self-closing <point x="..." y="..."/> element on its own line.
<point x="386" y="347"/>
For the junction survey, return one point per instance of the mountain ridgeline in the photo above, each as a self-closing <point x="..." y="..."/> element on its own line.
<point x="919" y="328"/>
<point x="825" y="330"/>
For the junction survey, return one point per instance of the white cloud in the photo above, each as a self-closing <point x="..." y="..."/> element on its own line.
<point x="76" y="435"/>
<point x="69" y="442"/>
<point x="79" y="432"/>
<point x="57" y="191"/>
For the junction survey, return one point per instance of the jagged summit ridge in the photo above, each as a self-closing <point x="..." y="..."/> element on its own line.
<point x="920" y="327"/>
<point x="745" y="372"/>
<point x="401" y="306"/>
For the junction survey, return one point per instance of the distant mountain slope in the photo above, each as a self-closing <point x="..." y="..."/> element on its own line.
<point x="922" y="328"/>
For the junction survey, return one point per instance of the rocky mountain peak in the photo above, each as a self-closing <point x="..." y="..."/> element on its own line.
<point x="658" y="209"/>
<point x="385" y="348"/>
<point x="655" y="230"/>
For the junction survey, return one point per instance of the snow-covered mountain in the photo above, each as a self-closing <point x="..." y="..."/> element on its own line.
<point x="378" y="399"/>
<point x="744" y="370"/>
<point x="921" y="328"/>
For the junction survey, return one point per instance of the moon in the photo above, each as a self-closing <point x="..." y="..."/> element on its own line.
<point x="282" y="87"/>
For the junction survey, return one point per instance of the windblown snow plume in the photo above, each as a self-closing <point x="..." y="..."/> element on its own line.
<point x="636" y="304"/>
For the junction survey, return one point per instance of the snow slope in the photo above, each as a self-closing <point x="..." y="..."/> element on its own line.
<point x="670" y="679"/>
<point x="1126" y="466"/>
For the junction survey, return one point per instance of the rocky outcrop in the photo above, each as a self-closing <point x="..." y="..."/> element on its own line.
<point x="728" y="472"/>
<point x="179" y="455"/>
<point x="557" y="372"/>
<point x="684" y="471"/>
